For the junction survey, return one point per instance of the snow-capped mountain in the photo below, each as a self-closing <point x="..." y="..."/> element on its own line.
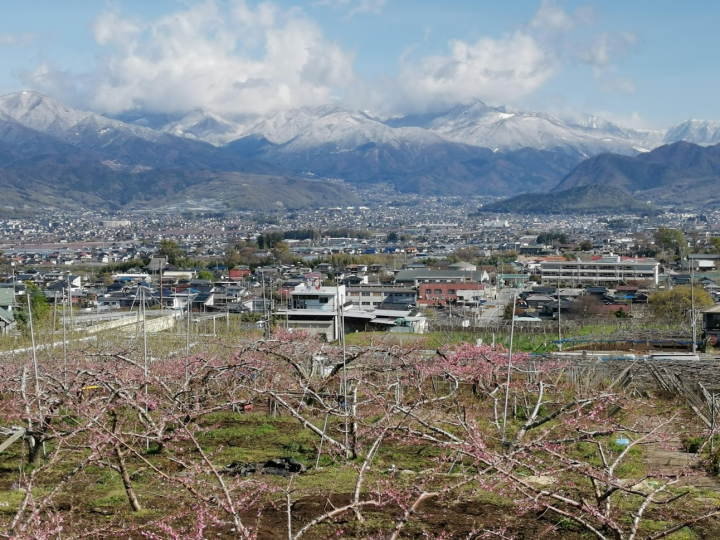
<point x="643" y="140"/>
<point x="209" y="127"/>
<point x="332" y="126"/>
<point x="41" y="113"/>
<point x="299" y="129"/>
<point x="118" y="143"/>
<point x="474" y="124"/>
<point x="502" y="129"/>
<point x="467" y="149"/>
<point x="54" y="156"/>
<point x="701" y="132"/>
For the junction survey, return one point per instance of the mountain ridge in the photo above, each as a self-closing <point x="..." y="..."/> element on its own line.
<point x="470" y="149"/>
<point x="473" y="124"/>
<point x="674" y="174"/>
<point x="588" y="199"/>
<point x="662" y="167"/>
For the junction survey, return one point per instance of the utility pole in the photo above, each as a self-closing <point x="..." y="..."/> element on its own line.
<point x="64" y="327"/>
<point x="32" y="340"/>
<point x="508" y="380"/>
<point x="271" y="307"/>
<point x="341" y="336"/>
<point x="54" y="324"/>
<point x="267" y="306"/>
<point x="559" y="321"/>
<point x="145" y="357"/>
<point x="144" y="331"/>
<point x="162" y="263"/>
<point x="264" y="303"/>
<point x="692" y="306"/>
<point x="188" y="306"/>
<point x="72" y="324"/>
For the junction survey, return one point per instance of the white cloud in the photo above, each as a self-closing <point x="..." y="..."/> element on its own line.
<point x="602" y="55"/>
<point x="497" y="70"/>
<point x="226" y="58"/>
<point x="551" y="17"/>
<point x="633" y="120"/>
<point x="506" y="69"/>
<point x="606" y="48"/>
<point x="71" y="88"/>
<point x="111" y="29"/>
<point x="238" y="57"/>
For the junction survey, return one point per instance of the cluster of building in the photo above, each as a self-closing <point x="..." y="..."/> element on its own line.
<point x="411" y="243"/>
<point x="415" y="227"/>
<point x="321" y="299"/>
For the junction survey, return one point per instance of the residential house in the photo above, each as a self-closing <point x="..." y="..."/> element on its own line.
<point x="239" y="272"/>
<point x="316" y="309"/>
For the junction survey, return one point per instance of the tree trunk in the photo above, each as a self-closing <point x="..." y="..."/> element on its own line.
<point x="34" y="447"/>
<point x="127" y="484"/>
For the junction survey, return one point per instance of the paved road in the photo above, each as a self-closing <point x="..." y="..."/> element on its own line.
<point x="494" y="309"/>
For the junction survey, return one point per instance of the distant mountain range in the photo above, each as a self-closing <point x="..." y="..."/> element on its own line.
<point x="681" y="172"/>
<point x="474" y="124"/>
<point x="473" y="149"/>
<point x="53" y="155"/>
<point x="590" y="199"/>
<point x="675" y="174"/>
<point x="695" y="131"/>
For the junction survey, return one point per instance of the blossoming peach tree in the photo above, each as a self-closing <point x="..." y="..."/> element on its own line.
<point x="485" y="422"/>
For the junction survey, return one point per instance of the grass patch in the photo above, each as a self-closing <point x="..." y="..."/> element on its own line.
<point x="338" y="478"/>
<point x="434" y="340"/>
<point x="412" y="457"/>
<point x="656" y="526"/>
<point x="256" y="437"/>
<point x="10" y="500"/>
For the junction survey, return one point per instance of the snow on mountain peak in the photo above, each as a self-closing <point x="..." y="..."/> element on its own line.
<point x="703" y="132"/>
<point x="474" y="123"/>
<point x="42" y="113"/>
<point x="309" y="127"/>
<point x="39" y="112"/>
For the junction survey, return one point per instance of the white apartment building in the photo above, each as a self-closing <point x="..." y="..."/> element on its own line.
<point x="607" y="271"/>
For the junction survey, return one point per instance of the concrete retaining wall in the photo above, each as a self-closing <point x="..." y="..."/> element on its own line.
<point x="132" y="325"/>
<point x="108" y="325"/>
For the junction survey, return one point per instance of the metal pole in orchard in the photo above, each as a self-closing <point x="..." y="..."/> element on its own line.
<point x="509" y="372"/>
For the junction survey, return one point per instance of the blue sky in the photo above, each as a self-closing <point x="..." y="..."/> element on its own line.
<point x="643" y="63"/>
